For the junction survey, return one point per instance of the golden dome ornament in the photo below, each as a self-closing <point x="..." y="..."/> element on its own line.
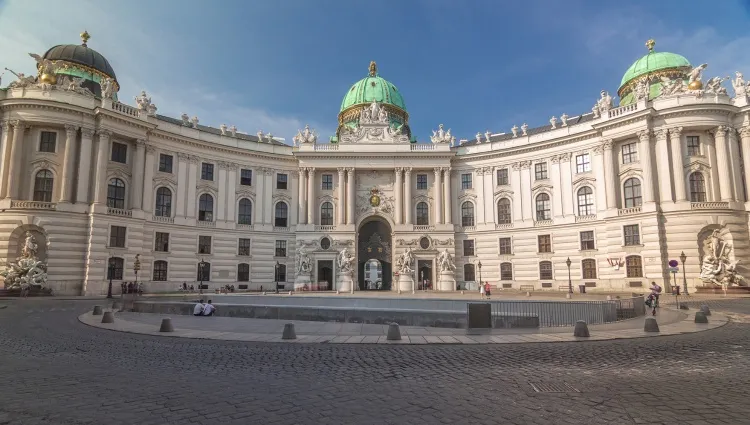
<point x="695" y="85"/>
<point x="48" y="79"/>
<point x="650" y="44"/>
<point x="85" y="37"/>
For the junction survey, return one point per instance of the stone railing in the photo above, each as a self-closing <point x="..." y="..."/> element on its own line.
<point x="281" y="229"/>
<point x="709" y="205"/>
<point x="501" y="226"/>
<point x="243" y="226"/>
<point x="584" y="218"/>
<point x="160" y="219"/>
<point x="32" y="205"/>
<point x="125" y="109"/>
<point x="628" y="211"/>
<point x="468" y="228"/>
<point x="622" y="110"/>
<point x="202" y="223"/>
<point x="327" y="147"/>
<point x="422" y="147"/>
<point x="423" y="227"/>
<point x="119" y="212"/>
<point x="324" y="227"/>
<point x="542" y="223"/>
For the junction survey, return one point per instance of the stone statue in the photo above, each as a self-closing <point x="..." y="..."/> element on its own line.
<point x="445" y="262"/>
<point x="514" y="130"/>
<point x="305" y="136"/>
<point x="717" y="268"/>
<point x="524" y="127"/>
<point x="669" y="86"/>
<point x="739" y="85"/>
<point x="260" y="136"/>
<point x="345" y="261"/>
<point x="641" y="89"/>
<point x="303" y="261"/>
<point x="694" y="77"/>
<point x="564" y="119"/>
<point x="603" y="105"/>
<point x="553" y="122"/>
<point x="487" y="136"/>
<point x="479" y="137"/>
<point x="714" y="86"/>
<point x="374" y="110"/>
<point x="151" y="110"/>
<point x="143" y="101"/>
<point x="404" y="262"/>
<point x="107" y="86"/>
<point x="233" y="130"/>
<point x="441" y="136"/>
<point x="22" y="81"/>
<point x="194" y="122"/>
<point x="383" y="115"/>
<point x="45" y="66"/>
<point x="75" y="84"/>
<point x="28" y="270"/>
<point x="223" y="129"/>
<point x="185" y="120"/>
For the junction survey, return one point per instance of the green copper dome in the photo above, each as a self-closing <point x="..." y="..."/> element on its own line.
<point x="373" y="88"/>
<point x="653" y="62"/>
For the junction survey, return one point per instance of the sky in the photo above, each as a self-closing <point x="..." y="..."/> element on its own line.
<point x="473" y="65"/>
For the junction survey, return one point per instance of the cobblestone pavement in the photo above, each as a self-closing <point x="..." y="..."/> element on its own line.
<point x="58" y="371"/>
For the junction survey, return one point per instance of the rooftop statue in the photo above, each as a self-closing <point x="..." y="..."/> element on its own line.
<point x="603" y="105"/>
<point x="107" y="86"/>
<point x="305" y="136"/>
<point x="564" y="119"/>
<point x="142" y="100"/>
<point x="641" y="89"/>
<point x="45" y="66"/>
<point x="739" y="85"/>
<point x="441" y="136"/>
<point x="694" y="77"/>
<point x="514" y="130"/>
<point x="233" y="130"/>
<point x="524" y="127"/>
<point x="185" y="120"/>
<point x="714" y="85"/>
<point x="671" y="86"/>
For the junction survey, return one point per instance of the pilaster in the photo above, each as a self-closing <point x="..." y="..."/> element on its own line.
<point x="102" y="161"/>
<point x="408" y="202"/>
<point x="84" y="165"/>
<point x="447" y="200"/>
<point x="66" y="186"/>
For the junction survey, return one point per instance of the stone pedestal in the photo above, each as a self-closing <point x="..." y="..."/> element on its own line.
<point x="302" y="282"/>
<point x="344" y="281"/>
<point x="447" y="281"/>
<point x="405" y="282"/>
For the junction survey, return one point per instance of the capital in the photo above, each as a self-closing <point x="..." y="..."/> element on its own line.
<point x="87" y="132"/>
<point x="104" y="134"/>
<point x="554" y="159"/>
<point x="661" y="133"/>
<point x="341" y="170"/>
<point x="183" y="156"/>
<point x="71" y="130"/>
<point x="675" y="131"/>
<point x="193" y="159"/>
<point x="399" y="170"/>
<point x="565" y="157"/>
<point x="150" y="149"/>
<point x="745" y="131"/>
<point x="140" y="143"/>
<point x="607" y="144"/>
<point x="447" y="171"/>
<point x="15" y="123"/>
<point x="407" y="171"/>
<point x="311" y="170"/>
<point x="644" y="135"/>
<point x="438" y="170"/>
<point x="719" y="131"/>
<point x="350" y="170"/>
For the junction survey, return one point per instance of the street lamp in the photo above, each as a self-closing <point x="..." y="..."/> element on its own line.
<point x="136" y="268"/>
<point x="276" y="276"/>
<point x="479" y="266"/>
<point x="201" y="268"/>
<point x="683" y="258"/>
<point x="111" y="273"/>
<point x="570" y="283"/>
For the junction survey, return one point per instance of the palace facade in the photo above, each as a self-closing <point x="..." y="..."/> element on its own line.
<point x="618" y="191"/>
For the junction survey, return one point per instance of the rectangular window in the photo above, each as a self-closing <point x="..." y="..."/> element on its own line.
<point x="505" y="246"/>
<point x="244" y="247"/>
<point x="465" y="181"/>
<point x="629" y="153"/>
<point x="506" y="271"/>
<point x="540" y="171"/>
<point x="469" y="248"/>
<point x="421" y="181"/>
<point x="48" y="141"/>
<point x="117" y="236"/>
<point x="327" y="182"/>
<point x="246" y="177"/>
<point x="545" y="270"/>
<point x="502" y="177"/>
<point x="693" y="145"/>
<point x="160" y="271"/>
<point x="207" y="171"/>
<point x="165" y="163"/>
<point x="119" y="152"/>
<point x="161" y="243"/>
<point x="280" y="249"/>
<point x="204" y="244"/>
<point x="545" y="243"/>
<point x="632" y="234"/>
<point x="587" y="240"/>
<point x="583" y="163"/>
<point x="281" y="181"/>
<point x="589" y="269"/>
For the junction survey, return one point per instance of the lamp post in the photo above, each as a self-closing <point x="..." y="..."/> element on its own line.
<point x="111" y="272"/>
<point x="136" y="268"/>
<point x="683" y="258"/>
<point x="570" y="283"/>
<point x="201" y="268"/>
<point x="479" y="266"/>
<point x="276" y="276"/>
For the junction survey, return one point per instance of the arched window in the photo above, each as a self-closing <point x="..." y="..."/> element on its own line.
<point x="282" y="212"/>
<point x="632" y="192"/>
<point x="423" y="214"/>
<point x="469" y="273"/>
<point x="589" y="268"/>
<point x="163" y="202"/>
<point x="467" y="214"/>
<point x="697" y="187"/>
<point x="43" y="183"/>
<point x="280" y="273"/>
<point x="545" y="270"/>
<point x="245" y="214"/>
<point x="503" y="211"/>
<point x="634" y="266"/>
<point x="506" y="271"/>
<point x="116" y="194"/>
<point x="206" y="207"/>
<point x="115" y="266"/>
<point x="160" y="271"/>
<point x="585" y="201"/>
<point x="243" y="272"/>
<point x="542" y="207"/>
<point x="326" y="214"/>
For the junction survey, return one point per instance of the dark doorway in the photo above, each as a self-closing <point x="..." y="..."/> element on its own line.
<point x="325" y="275"/>
<point x="374" y="243"/>
<point x="424" y="274"/>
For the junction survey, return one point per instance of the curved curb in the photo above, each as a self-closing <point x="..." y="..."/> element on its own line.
<point x="684" y="326"/>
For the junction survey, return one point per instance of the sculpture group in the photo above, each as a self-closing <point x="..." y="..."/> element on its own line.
<point x="28" y="271"/>
<point x="717" y="268"/>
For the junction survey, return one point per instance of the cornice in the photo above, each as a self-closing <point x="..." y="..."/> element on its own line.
<point x="218" y="148"/>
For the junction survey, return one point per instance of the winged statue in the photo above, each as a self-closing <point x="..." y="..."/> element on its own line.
<point x="45" y="66"/>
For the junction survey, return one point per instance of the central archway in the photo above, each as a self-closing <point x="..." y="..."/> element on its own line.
<point x="374" y="243"/>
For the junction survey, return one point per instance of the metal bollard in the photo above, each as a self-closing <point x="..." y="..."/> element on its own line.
<point x="581" y="330"/>
<point x="394" y="332"/>
<point x="166" y="325"/>
<point x="108" y="317"/>
<point x="97" y="310"/>
<point x="289" y="332"/>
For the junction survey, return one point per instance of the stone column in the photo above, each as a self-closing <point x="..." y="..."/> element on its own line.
<point x="678" y="168"/>
<point x="528" y="203"/>
<point x="302" y="191"/>
<point x="221" y="204"/>
<point x="102" y="161"/>
<point x="734" y="154"/>
<point x="66" y="186"/>
<point x="312" y="206"/>
<point x="84" y="166"/>
<point x="192" y="196"/>
<point x="515" y="186"/>
<point x="4" y="154"/>
<point x="183" y="160"/>
<point x="745" y="138"/>
<point x="136" y="192"/>
<point x="601" y="186"/>
<point x="269" y="213"/>
<point x="231" y="192"/>
<point x="723" y="164"/>
<point x="438" y="194"/>
<point x="478" y="184"/>
<point x="350" y="200"/>
<point x="489" y="200"/>
<point x="609" y="174"/>
<point x="260" y="201"/>
<point x="711" y="154"/>
<point x="566" y="175"/>
<point x="556" y="182"/>
<point x="408" y="207"/>
<point x="13" y="182"/>
<point x="148" y="179"/>
<point x="647" y="192"/>
<point x="399" y="195"/>
<point x="663" y="171"/>
<point x="341" y="204"/>
<point x="447" y="195"/>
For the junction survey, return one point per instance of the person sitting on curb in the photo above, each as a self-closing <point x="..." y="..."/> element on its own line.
<point x="209" y="309"/>
<point x="199" y="308"/>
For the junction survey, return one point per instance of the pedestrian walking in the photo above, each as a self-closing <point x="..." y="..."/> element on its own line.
<point x="487" y="288"/>
<point x="481" y="290"/>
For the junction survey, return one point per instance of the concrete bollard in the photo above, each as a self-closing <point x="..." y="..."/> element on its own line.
<point x="97" y="310"/>
<point x="700" y="317"/>
<point x="394" y="332"/>
<point x="116" y="305"/>
<point x="166" y="325"/>
<point x="684" y="307"/>
<point x="651" y="325"/>
<point x="264" y="293"/>
<point x="462" y="292"/>
<point x="108" y="317"/>
<point x="581" y="329"/>
<point x="528" y="294"/>
<point x="706" y="310"/>
<point x="337" y="292"/>
<point x="290" y="292"/>
<point x="609" y="297"/>
<point x="289" y="332"/>
<point x="568" y="296"/>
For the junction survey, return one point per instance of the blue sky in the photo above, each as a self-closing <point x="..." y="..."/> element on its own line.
<point x="474" y="65"/>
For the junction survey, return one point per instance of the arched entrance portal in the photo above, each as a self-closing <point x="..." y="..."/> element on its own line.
<point x="374" y="243"/>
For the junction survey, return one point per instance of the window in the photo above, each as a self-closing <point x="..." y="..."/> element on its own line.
<point x="116" y="194"/>
<point x="421" y="181"/>
<point x="245" y="214"/>
<point x="469" y="248"/>
<point x="280" y="249"/>
<point x="119" y="152"/>
<point x="163" y="202"/>
<point x="161" y="242"/>
<point x="204" y="273"/>
<point x="502" y="177"/>
<point x="544" y="243"/>
<point x="207" y="171"/>
<point x="243" y="272"/>
<point x="423" y="214"/>
<point x="503" y="211"/>
<point x="114" y="268"/>
<point x="697" y="187"/>
<point x="583" y="163"/>
<point x="325" y="243"/>
<point x="589" y="268"/>
<point x="542" y="207"/>
<point x="282" y="211"/>
<point x="465" y="181"/>
<point x="587" y="240"/>
<point x="634" y="266"/>
<point x="246" y="177"/>
<point x="540" y="171"/>
<point x="327" y="182"/>
<point x="280" y="273"/>
<point x="693" y="145"/>
<point x="506" y="271"/>
<point x="545" y="270"/>
<point x="48" y="141"/>
<point x="506" y="247"/>
<point x="244" y="247"/>
<point x="469" y="273"/>
<point x="206" y="207"/>
<point x="165" y="163"/>
<point x="629" y="153"/>
<point x="467" y="214"/>
<point x="160" y="271"/>
<point x="585" y="201"/>
<point x="117" y="236"/>
<point x="326" y="214"/>
<point x="281" y="181"/>
<point x="632" y="234"/>
<point x="632" y="192"/>
<point x="204" y="244"/>
<point x="43" y="184"/>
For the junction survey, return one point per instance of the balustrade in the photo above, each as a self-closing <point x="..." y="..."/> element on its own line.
<point x="709" y="205"/>
<point x="628" y="211"/>
<point x="32" y="205"/>
<point x="119" y="212"/>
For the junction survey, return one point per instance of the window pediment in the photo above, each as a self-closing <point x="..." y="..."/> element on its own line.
<point x="281" y="197"/>
<point x="630" y="171"/>
<point x="698" y="165"/>
<point x="165" y="181"/>
<point x="44" y="163"/>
